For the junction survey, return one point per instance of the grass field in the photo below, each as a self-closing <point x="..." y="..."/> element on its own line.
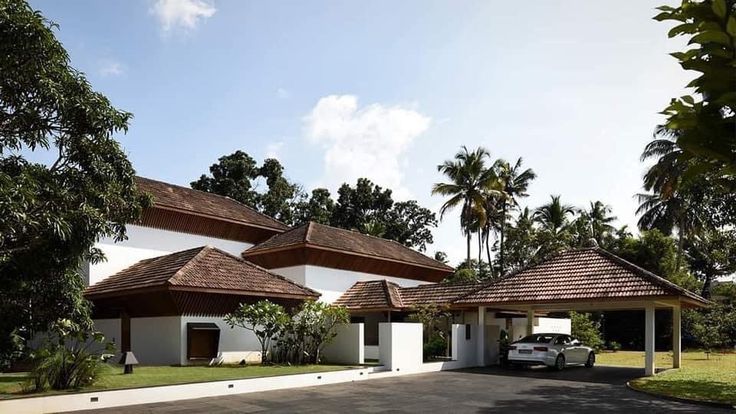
<point x="12" y="385"/>
<point x="700" y="377"/>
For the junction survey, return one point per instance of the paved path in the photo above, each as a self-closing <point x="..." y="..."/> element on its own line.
<point x="577" y="390"/>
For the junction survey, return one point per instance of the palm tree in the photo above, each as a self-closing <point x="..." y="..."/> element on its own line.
<point x="469" y="181"/>
<point x="599" y="219"/>
<point x="553" y="215"/>
<point x="514" y="184"/>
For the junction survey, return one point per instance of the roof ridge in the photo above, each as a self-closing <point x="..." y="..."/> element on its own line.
<point x="217" y="195"/>
<point x="204" y="250"/>
<point x="286" y="279"/>
<point x="309" y="230"/>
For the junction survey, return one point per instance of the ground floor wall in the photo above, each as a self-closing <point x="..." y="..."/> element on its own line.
<point x="163" y="340"/>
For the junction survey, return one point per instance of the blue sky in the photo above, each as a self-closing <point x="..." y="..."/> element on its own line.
<point x="384" y="89"/>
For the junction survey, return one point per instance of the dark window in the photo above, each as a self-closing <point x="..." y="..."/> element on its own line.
<point x="467" y="332"/>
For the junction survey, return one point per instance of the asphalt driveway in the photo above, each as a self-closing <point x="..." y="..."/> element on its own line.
<point x="490" y="390"/>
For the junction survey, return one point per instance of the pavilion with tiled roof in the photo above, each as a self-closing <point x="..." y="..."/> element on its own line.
<point x="589" y="279"/>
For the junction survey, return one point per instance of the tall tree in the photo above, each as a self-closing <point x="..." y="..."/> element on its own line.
<point x="705" y="123"/>
<point x="52" y="214"/>
<point x="356" y="207"/>
<point x="318" y="208"/>
<point x="598" y="217"/>
<point x="470" y="181"/>
<point x="232" y="177"/>
<point x="514" y="182"/>
<point x="553" y="216"/>
<point x="712" y="254"/>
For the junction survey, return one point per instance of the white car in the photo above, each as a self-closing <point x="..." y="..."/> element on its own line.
<point x="553" y="350"/>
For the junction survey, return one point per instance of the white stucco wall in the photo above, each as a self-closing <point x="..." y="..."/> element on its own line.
<point x="111" y="329"/>
<point x="464" y="350"/>
<point x="236" y="344"/>
<point x="332" y="283"/>
<point x="400" y="345"/>
<point x="146" y="242"/>
<point x="347" y="346"/>
<point x="156" y="341"/>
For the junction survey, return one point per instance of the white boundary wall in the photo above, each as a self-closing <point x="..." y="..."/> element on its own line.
<point x="347" y="346"/>
<point x="400" y="345"/>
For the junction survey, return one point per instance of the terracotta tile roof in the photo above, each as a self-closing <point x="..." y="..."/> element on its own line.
<point x="373" y="294"/>
<point x="381" y="294"/>
<point x="320" y="235"/>
<point x="199" y="269"/>
<point x="199" y="202"/>
<point x="574" y="275"/>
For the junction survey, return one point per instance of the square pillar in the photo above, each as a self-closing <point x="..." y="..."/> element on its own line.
<point x="529" y="322"/>
<point x="676" y="336"/>
<point x="481" y="337"/>
<point x="649" y="368"/>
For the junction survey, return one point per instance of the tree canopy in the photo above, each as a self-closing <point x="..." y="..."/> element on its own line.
<point x="53" y="212"/>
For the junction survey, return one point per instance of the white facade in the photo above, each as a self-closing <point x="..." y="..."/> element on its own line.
<point x="163" y="340"/>
<point x="332" y="283"/>
<point x="146" y="242"/>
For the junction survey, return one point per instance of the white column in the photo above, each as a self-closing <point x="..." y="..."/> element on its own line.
<point x="530" y="322"/>
<point x="676" y="337"/>
<point x="649" y="368"/>
<point x="480" y="340"/>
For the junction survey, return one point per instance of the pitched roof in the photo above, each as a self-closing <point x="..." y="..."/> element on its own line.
<point x="197" y="202"/>
<point x="352" y="242"/>
<point x="581" y="274"/>
<point x="373" y="294"/>
<point x="200" y="269"/>
<point x="381" y="294"/>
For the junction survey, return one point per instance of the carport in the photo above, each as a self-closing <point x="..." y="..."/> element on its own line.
<point x="590" y="279"/>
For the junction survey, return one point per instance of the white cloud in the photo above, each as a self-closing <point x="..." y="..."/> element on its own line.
<point x="363" y="142"/>
<point x="185" y="14"/>
<point x="282" y="93"/>
<point x="111" y="68"/>
<point x="273" y="150"/>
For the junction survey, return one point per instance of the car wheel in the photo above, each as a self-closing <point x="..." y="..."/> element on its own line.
<point x="591" y="360"/>
<point x="559" y="363"/>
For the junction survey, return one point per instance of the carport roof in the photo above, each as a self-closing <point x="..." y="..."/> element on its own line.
<point x="590" y="275"/>
<point x="581" y="275"/>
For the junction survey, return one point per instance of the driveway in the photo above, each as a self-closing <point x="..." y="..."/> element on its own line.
<point x="490" y="390"/>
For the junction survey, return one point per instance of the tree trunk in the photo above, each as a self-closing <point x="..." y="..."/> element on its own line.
<point x="680" y="242"/>
<point x="503" y="229"/>
<point x="488" y="250"/>
<point x="467" y="264"/>
<point x="707" y="283"/>
<point x="480" y="250"/>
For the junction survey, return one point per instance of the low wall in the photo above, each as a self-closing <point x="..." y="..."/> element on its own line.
<point x="400" y="345"/>
<point x="118" y="398"/>
<point x="372" y="352"/>
<point x="347" y="346"/>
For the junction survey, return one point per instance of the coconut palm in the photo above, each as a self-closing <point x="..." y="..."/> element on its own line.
<point x="553" y="215"/>
<point x="469" y="182"/>
<point x="514" y="183"/>
<point x="599" y="220"/>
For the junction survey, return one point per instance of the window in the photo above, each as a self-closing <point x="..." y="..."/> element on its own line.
<point x="467" y="331"/>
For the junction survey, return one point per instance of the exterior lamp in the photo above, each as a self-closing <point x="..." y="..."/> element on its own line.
<point x="128" y="360"/>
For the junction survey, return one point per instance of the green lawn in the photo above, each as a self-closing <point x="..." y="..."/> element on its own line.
<point x="699" y="378"/>
<point x="12" y="385"/>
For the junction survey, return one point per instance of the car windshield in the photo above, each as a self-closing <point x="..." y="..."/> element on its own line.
<point x="537" y="338"/>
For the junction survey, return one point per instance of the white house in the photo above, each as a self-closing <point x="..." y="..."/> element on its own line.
<point x="155" y="295"/>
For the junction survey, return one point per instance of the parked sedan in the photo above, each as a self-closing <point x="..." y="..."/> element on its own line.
<point x="553" y="350"/>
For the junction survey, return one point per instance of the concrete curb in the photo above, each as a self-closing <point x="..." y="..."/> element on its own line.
<point x="682" y="400"/>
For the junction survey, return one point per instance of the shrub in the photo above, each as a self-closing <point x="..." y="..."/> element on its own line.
<point x="434" y="347"/>
<point x="614" y="346"/>
<point x="586" y="330"/>
<point x="264" y="318"/>
<point x="67" y="360"/>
